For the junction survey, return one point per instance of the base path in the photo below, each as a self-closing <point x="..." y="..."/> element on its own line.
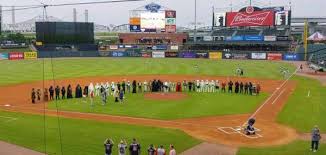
<point x="10" y="149"/>
<point x="206" y="129"/>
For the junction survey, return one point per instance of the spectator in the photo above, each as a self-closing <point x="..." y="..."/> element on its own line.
<point x="315" y="138"/>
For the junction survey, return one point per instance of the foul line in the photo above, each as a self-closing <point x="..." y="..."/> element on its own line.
<point x="254" y="114"/>
<point x="278" y="96"/>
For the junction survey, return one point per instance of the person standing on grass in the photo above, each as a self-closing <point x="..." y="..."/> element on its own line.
<point x="103" y="94"/>
<point x="116" y="95"/>
<point x="134" y="147"/>
<point x="223" y="87"/>
<point x="38" y="93"/>
<point x="122" y="147"/>
<point x="63" y="92"/>
<point x="51" y="90"/>
<point x="57" y="93"/>
<point x="151" y="150"/>
<point x="172" y="150"/>
<point x="33" y="96"/>
<point x="46" y="95"/>
<point x="121" y="96"/>
<point x="161" y="150"/>
<point x="230" y="89"/>
<point x="315" y="138"/>
<point x="108" y="144"/>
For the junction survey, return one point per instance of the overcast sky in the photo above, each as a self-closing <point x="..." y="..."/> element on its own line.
<point x="118" y="13"/>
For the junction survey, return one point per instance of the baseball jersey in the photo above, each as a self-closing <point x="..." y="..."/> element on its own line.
<point x="134" y="149"/>
<point x="108" y="148"/>
<point x="151" y="151"/>
<point x="122" y="149"/>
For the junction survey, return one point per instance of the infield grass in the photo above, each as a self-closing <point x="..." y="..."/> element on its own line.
<point x="195" y="105"/>
<point x="80" y="137"/>
<point x="32" y="70"/>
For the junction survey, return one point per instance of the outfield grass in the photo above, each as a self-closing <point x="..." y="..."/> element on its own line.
<point x="81" y="137"/>
<point x="196" y="105"/>
<point x="302" y="112"/>
<point x="295" y="148"/>
<point x="31" y="70"/>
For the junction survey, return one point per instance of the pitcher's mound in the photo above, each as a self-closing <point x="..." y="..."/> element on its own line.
<point x="166" y="96"/>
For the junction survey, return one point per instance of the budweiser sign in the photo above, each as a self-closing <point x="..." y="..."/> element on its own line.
<point x="258" y="18"/>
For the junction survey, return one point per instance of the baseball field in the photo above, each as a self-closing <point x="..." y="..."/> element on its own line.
<point x="285" y="111"/>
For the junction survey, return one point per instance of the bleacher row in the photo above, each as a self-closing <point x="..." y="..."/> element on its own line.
<point x="316" y="53"/>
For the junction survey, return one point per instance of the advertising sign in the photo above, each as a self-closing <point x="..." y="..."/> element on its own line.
<point x="241" y="56"/>
<point x="256" y="18"/>
<point x="150" y="20"/>
<point x="236" y="38"/>
<point x="134" y="21"/>
<point x="258" y="56"/>
<point x="16" y="56"/>
<point x="156" y="54"/>
<point x="269" y="38"/>
<point x="291" y="57"/>
<point x="208" y="38"/>
<point x="170" y="14"/>
<point x="171" y="54"/>
<point x="146" y="54"/>
<point x="202" y="55"/>
<point x="253" y="38"/>
<point x="175" y="48"/>
<point x="187" y="55"/>
<point x="134" y="54"/>
<point x="170" y="21"/>
<point x="282" y="38"/>
<point x="121" y="46"/>
<point x="160" y="47"/>
<point x="274" y="56"/>
<point x="113" y="47"/>
<point x="119" y="54"/>
<point x="215" y="55"/>
<point x="3" y="56"/>
<point x="135" y="28"/>
<point x="170" y="28"/>
<point x="30" y="55"/>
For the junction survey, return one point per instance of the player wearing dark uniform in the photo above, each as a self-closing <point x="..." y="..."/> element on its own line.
<point x="57" y="93"/>
<point x="38" y="93"/>
<point x="33" y="96"/>
<point x="230" y="84"/>
<point x="51" y="90"/>
<point x="134" y="148"/>
<point x="108" y="144"/>
<point x="151" y="150"/>
<point x="241" y="88"/>
<point x="63" y="92"/>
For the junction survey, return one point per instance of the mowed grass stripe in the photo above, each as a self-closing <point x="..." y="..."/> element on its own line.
<point x="31" y="70"/>
<point x="84" y="137"/>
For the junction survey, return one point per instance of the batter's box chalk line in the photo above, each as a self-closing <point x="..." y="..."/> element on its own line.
<point x="239" y="131"/>
<point x="8" y="119"/>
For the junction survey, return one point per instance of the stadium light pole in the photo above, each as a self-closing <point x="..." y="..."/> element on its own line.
<point x="195" y="32"/>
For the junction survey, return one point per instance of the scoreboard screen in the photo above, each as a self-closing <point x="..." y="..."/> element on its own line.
<point x="65" y="32"/>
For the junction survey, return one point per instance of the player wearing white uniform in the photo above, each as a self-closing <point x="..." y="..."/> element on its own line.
<point x="206" y="86"/>
<point x="197" y="86"/>
<point x="217" y="85"/>
<point x="91" y="92"/>
<point x="212" y="86"/>
<point x="107" y="87"/>
<point x="97" y="89"/>
<point x="166" y="87"/>
<point x="202" y="85"/>
<point x="128" y="86"/>
<point x="112" y="88"/>
<point x="169" y="86"/>
<point x="145" y="86"/>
